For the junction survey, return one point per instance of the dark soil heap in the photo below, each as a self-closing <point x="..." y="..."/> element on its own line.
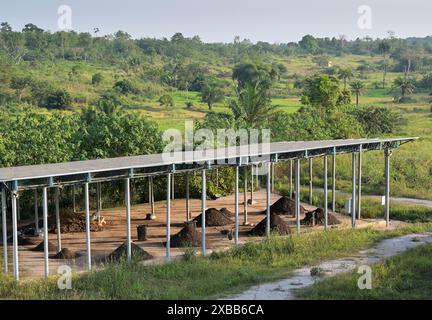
<point x="73" y="222"/>
<point x="227" y="212"/>
<point x="26" y="241"/>
<point x="189" y="236"/>
<point x="319" y="218"/>
<point x="65" y="254"/>
<point x="121" y="253"/>
<point x="286" y="206"/>
<point x="213" y="218"/>
<point x="276" y="224"/>
<point x="40" y="247"/>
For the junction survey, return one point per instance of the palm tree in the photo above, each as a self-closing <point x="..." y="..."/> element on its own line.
<point x="384" y="48"/>
<point x="405" y="85"/>
<point x="345" y="74"/>
<point x="252" y="107"/>
<point x="357" y="88"/>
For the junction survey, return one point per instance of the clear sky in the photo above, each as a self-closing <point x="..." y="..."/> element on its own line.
<point x="221" y="20"/>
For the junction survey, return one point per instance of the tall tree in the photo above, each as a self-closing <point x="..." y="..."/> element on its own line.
<point x="212" y="91"/>
<point x="404" y="85"/>
<point x="357" y="88"/>
<point x="345" y="74"/>
<point x="384" y="48"/>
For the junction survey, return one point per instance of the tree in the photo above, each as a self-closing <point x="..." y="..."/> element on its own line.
<point x="357" y="88"/>
<point x="212" y="91"/>
<point x="19" y="84"/>
<point x="109" y="102"/>
<point x="309" y="44"/>
<point x="384" y="48"/>
<point x="321" y="91"/>
<point x="404" y="85"/>
<point x="126" y="86"/>
<point x="254" y="72"/>
<point x="252" y="107"/>
<point x="345" y="74"/>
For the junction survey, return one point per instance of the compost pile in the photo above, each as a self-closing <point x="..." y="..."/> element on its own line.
<point x="213" y="218"/>
<point x="75" y="222"/>
<point x="25" y="241"/>
<point x="227" y="212"/>
<point x="285" y="206"/>
<point x="189" y="236"/>
<point x="65" y="254"/>
<point x="121" y="253"/>
<point x="319" y="218"/>
<point x="276" y="224"/>
<point x="40" y="247"/>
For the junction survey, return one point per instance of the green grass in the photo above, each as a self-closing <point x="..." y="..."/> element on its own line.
<point x="221" y="273"/>
<point x="405" y="276"/>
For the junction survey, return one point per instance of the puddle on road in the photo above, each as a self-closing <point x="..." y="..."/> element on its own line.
<point x="301" y="278"/>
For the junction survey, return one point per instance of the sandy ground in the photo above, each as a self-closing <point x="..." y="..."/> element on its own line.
<point x="285" y="289"/>
<point x="31" y="264"/>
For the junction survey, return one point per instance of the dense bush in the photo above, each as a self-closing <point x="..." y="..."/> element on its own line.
<point x="125" y="87"/>
<point x="378" y="120"/>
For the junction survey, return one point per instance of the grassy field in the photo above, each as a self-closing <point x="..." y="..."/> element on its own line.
<point x="406" y="276"/>
<point x="225" y="272"/>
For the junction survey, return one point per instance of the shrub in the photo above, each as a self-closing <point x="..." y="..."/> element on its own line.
<point x="97" y="79"/>
<point x="125" y="87"/>
<point x="378" y="120"/>
<point x="166" y="100"/>
<point x="58" y="99"/>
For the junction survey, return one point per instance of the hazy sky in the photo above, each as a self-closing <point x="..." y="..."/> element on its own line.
<point x="221" y="20"/>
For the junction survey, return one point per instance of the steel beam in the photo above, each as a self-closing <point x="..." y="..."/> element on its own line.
<point x="187" y="197"/>
<point x="15" y="234"/>
<point x="273" y="177"/>
<point x="245" y="204"/>
<point x="4" y="229"/>
<point x="128" y="220"/>
<point x="36" y="212"/>
<point x="353" y="196"/>
<point x="45" y="228"/>
<point x="236" y="205"/>
<point x="359" y="188"/>
<point x="334" y="183"/>
<point x="168" y="217"/>
<point x="291" y="179"/>
<point x="203" y="209"/>
<point x="87" y="218"/>
<point x="268" y="199"/>
<point x="251" y="185"/>
<point x="325" y="193"/>
<point x="310" y="181"/>
<point x="74" y="198"/>
<point x="173" y="187"/>
<point x="57" y="212"/>
<point x="297" y="194"/>
<point x="387" y="154"/>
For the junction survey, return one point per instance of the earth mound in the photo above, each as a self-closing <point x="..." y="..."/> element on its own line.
<point x="285" y="206"/>
<point x="121" y="253"/>
<point x="65" y="254"/>
<point x="319" y="218"/>
<point x="40" y="247"/>
<point x="213" y="218"/>
<point x="189" y="236"/>
<point x="276" y="224"/>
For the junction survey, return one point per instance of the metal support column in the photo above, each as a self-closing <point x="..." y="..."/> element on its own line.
<point x="87" y="218"/>
<point x="273" y="177"/>
<point x="168" y="217"/>
<point x="151" y="199"/>
<point x="245" y="204"/>
<point x="173" y="187"/>
<point x="187" y="198"/>
<point x="4" y="229"/>
<point x="36" y="213"/>
<point x="325" y="193"/>
<point x="297" y="194"/>
<point x="268" y="199"/>
<point x="291" y="179"/>
<point x="236" y="204"/>
<point x="353" y="200"/>
<point x="74" y="198"/>
<point x="203" y="209"/>
<point x="334" y="183"/>
<point x="310" y="181"/>
<point x="128" y="220"/>
<point x="359" y="188"/>
<point x="387" y="154"/>
<point x="45" y="228"/>
<point x="57" y="213"/>
<point x="15" y="234"/>
<point x="98" y="200"/>
<point x="251" y="185"/>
